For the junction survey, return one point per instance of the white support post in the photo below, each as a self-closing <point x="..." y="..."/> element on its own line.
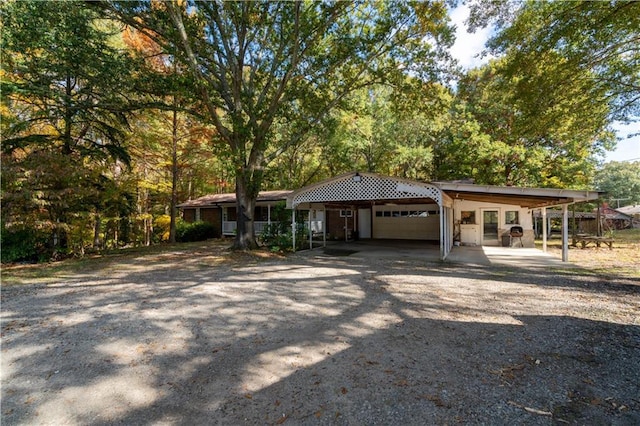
<point x="293" y="228"/>
<point x="544" y="229"/>
<point x="269" y="214"/>
<point x="324" y="225"/>
<point x="565" y="233"/>
<point x="197" y="214"/>
<point x="310" y="230"/>
<point x="442" y="255"/>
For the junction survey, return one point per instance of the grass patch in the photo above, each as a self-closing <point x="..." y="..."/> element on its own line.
<point x="622" y="261"/>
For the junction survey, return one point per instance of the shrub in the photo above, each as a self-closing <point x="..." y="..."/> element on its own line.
<point x="196" y="231"/>
<point x="23" y="245"/>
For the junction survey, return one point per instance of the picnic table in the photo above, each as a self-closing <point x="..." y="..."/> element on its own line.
<point x="585" y="240"/>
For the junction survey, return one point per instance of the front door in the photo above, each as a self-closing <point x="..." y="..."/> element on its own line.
<point x="364" y="223"/>
<point x="489" y="227"/>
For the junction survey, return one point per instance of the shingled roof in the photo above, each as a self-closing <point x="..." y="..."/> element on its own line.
<point x="214" y="200"/>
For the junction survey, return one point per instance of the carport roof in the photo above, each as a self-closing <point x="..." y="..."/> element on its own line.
<point x="524" y="197"/>
<point x="338" y="190"/>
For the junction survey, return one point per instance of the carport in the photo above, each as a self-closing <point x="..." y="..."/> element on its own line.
<point x="382" y="204"/>
<point x="394" y="208"/>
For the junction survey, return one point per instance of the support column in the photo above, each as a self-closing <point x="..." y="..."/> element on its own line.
<point x="293" y="227"/>
<point x="324" y="225"/>
<point x="565" y="233"/>
<point x="310" y="230"/>
<point x="544" y="229"/>
<point x="442" y="254"/>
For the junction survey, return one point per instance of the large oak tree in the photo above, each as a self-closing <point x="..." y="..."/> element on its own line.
<point x="263" y="65"/>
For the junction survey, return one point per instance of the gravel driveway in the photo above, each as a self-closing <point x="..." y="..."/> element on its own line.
<point x="312" y="339"/>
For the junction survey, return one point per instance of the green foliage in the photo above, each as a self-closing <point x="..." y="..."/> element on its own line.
<point x="196" y="231"/>
<point x="597" y="40"/>
<point x="505" y="131"/>
<point x="65" y="78"/>
<point x="24" y="244"/>
<point x="621" y="180"/>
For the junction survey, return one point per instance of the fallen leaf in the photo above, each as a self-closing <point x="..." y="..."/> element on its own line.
<point x="344" y="390"/>
<point x="248" y="396"/>
<point x="282" y="419"/>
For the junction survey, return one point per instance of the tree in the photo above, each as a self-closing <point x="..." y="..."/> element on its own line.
<point x="258" y="64"/>
<point x="621" y="181"/>
<point x="64" y="113"/>
<point x="526" y="135"/>
<point x="601" y="37"/>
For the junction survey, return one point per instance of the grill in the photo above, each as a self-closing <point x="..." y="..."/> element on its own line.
<point x="515" y="232"/>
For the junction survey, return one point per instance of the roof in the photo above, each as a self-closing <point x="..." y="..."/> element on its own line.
<point x="607" y="214"/>
<point x="630" y="210"/>
<point x="214" y="200"/>
<point x="522" y="196"/>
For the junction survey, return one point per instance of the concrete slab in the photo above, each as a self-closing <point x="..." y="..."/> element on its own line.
<point x="430" y="251"/>
<point x="505" y="256"/>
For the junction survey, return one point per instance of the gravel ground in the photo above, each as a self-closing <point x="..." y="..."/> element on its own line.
<point x="312" y="339"/>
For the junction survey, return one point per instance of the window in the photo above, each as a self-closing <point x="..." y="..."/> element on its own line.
<point x="468" y="217"/>
<point x="346" y="213"/>
<point x="511" y="217"/>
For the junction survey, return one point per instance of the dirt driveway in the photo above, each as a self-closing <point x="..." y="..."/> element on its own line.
<point x="185" y="338"/>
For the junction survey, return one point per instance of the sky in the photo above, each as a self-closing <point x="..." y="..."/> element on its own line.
<point x="467" y="51"/>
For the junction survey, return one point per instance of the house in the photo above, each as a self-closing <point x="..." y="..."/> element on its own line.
<point x="368" y="205"/>
<point x="634" y="212"/>
<point x="220" y="210"/>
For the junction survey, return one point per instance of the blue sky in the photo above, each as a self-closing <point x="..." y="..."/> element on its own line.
<point x="467" y="50"/>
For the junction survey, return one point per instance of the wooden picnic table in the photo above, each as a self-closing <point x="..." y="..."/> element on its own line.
<point x="585" y="240"/>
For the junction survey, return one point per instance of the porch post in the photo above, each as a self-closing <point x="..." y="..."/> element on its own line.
<point x="269" y="214"/>
<point x="197" y="214"/>
<point x="310" y="230"/>
<point x="324" y="225"/>
<point x="565" y="233"/>
<point x="442" y="254"/>
<point x="544" y="229"/>
<point x="293" y="227"/>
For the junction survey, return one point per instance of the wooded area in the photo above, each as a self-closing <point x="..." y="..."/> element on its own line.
<point x="113" y="112"/>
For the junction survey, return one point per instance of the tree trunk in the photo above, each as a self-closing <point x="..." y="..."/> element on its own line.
<point x="174" y="177"/>
<point x="96" y="231"/>
<point x="246" y="195"/>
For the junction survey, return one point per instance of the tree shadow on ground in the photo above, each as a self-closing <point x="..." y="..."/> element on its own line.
<point x="321" y="341"/>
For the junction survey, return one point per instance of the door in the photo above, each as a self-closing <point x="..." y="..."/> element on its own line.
<point x="490" y="227"/>
<point x="364" y="223"/>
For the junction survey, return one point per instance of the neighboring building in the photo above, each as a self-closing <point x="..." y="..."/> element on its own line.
<point x="633" y="211"/>
<point x="220" y="210"/>
<point x="586" y="222"/>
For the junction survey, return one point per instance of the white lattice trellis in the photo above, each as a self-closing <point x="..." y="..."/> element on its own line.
<point x="367" y="187"/>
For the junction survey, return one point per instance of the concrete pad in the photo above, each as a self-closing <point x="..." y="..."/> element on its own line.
<point x="505" y="256"/>
<point x="430" y="252"/>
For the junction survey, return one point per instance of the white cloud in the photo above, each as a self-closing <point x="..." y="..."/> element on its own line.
<point x="468" y="46"/>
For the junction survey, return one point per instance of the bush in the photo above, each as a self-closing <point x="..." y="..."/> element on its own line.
<point x="278" y="237"/>
<point x="196" y="231"/>
<point x="23" y="245"/>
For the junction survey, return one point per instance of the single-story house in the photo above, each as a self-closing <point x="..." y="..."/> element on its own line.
<point x="368" y="205"/>
<point x="372" y="206"/>
<point x="220" y="210"/>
